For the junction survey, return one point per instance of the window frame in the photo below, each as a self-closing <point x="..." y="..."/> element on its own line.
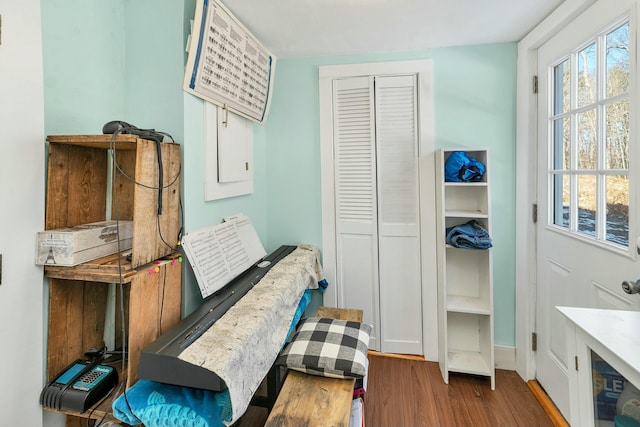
<point x="600" y="172"/>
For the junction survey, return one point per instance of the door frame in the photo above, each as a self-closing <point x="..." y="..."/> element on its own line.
<point x="426" y="148"/>
<point x="526" y="149"/>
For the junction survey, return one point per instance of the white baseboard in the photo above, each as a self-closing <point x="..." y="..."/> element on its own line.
<point x="505" y="357"/>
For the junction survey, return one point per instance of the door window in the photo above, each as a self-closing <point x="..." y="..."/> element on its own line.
<point x="589" y="141"/>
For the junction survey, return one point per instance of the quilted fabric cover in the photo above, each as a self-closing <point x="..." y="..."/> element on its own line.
<point x="243" y="344"/>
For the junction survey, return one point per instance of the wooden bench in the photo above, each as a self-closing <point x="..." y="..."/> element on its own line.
<point x="313" y="401"/>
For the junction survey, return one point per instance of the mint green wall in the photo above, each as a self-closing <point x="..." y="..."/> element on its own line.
<point x="154" y="58"/>
<point x="474" y="103"/>
<point x="84" y="64"/>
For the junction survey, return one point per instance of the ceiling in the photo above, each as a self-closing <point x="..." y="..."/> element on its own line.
<point x="296" y="28"/>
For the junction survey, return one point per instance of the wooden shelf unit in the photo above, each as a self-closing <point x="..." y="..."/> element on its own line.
<point x="78" y="301"/>
<point x="465" y="276"/>
<point x="86" y="300"/>
<point x="79" y="188"/>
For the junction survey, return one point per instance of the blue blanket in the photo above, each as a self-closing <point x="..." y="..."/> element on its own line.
<point x="161" y="405"/>
<point x="470" y="235"/>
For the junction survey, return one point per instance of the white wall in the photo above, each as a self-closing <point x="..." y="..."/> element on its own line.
<point x="21" y="212"/>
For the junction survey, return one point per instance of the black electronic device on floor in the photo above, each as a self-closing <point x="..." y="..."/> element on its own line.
<point x="79" y="386"/>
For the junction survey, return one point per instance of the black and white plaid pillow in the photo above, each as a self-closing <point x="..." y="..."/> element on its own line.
<point x="328" y="347"/>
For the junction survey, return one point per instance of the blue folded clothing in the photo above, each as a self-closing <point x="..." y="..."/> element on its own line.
<point x="470" y="235"/>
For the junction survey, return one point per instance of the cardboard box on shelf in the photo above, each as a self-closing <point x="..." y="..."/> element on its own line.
<point x="71" y="246"/>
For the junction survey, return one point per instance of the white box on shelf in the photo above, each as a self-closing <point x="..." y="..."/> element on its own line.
<point x="71" y="246"/>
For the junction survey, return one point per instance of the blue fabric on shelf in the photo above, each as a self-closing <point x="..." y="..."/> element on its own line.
<point x="459" y="167"/>
<point x="470" y="235"/>
<point x="161" y="405"/>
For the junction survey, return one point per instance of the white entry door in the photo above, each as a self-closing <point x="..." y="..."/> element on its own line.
<point x="588" y="166"/>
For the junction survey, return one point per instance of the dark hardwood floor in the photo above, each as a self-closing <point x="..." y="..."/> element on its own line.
<point x="411" y="393"/>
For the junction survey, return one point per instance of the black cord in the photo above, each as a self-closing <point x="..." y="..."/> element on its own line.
<point x="112" y="147"/>
<point x="116" y="167"/>
<point x="160" y="175"/>
<point x="123" y="328"/>
<point x="152" y="135"/>
<point x="99" y="423"/>
<point x="160" y="187"/>
<point x="181" y="229"/>
<point x="152" y="187"/>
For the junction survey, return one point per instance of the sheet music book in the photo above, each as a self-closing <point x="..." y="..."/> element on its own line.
<point x="227" y="65"/>
<point x="219" y="253"/>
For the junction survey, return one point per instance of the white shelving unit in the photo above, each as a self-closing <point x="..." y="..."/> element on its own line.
<point x="465" y="276"/>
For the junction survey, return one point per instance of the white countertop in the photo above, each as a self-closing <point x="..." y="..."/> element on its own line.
<point x="617" y="330"/>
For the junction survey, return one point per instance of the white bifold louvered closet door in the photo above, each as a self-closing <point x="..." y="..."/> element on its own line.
<point x="377" y="207"/>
